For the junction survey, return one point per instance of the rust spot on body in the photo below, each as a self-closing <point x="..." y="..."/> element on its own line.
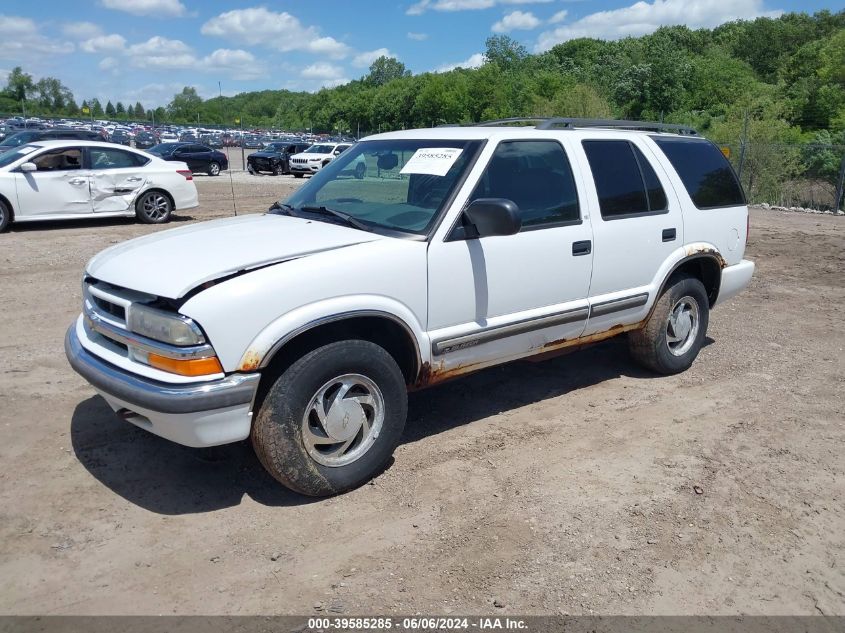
<point x="435" y="374"/>
<point x="706" y="250"/>
<point x="250" y="361"/>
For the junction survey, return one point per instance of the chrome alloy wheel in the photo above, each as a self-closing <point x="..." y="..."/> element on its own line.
<point x="155" y="206"/>
<point x="682" y="326"/>
<point x="343" y="420"/>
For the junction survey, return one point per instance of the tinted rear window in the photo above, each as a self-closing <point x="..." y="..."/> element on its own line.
<point x="704" y="170"/>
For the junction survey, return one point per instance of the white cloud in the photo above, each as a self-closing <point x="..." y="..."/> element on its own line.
<point x="322" y="70"/>
<point x="419" y="37"/>
<point x="644" y="17"/>
<point x="81" y="30"/>
<point x="166" y="54"/>
<point x="516" y="21"/>
<point x="281" y="31"/>
<point x="558" y="17"/>
<point x="463" y="5"/>
<point x="474" y="61"/>
<point x="103" y="43"/>
<point x="365" y="59"/>
<point x="21" y="39"/>
<point x="152" y="8"/>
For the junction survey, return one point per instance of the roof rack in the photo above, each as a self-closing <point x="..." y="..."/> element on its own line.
<point x="548" y="123"/>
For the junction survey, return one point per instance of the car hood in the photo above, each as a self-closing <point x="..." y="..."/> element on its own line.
<point x="172" y="263"/>
<point x="267" y="154"/>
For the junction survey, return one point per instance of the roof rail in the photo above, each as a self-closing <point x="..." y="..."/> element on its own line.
<point x="548" y="123"/>
<point x="569" y="123"/>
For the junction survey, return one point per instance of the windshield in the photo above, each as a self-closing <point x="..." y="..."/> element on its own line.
<point x="319" y="149"/>
<point x="10" y="156"/>
<point x="399" y="185"/>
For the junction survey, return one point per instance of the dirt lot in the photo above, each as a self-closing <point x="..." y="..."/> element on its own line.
<point x="558" y="487"/>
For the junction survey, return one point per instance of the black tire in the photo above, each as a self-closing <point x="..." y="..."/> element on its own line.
<point x="153" y="207"/>
<point x="251" y="170"/>
<point x="298" y="175"/>
<point x="5" y="216"/>
<point x="651" y="346"/>
<point x="360" y="171"/>
<point x="214" y="168"/>
<point x="279" y="430"/>
<point x="278" y="169"/>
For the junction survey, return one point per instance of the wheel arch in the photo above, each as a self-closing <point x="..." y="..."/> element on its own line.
<point x="382" y="328"/>
<point x="705" y="266"/>
<point x="9" y="206"/>
<point x="159" y="190"/>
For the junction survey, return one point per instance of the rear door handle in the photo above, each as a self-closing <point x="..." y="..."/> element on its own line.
<point x="669" y="235"/>
<point x="584" y="247"/>
<point x="78" y="181"/>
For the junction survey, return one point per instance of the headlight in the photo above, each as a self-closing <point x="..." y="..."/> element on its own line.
<point x="163" y="326"/>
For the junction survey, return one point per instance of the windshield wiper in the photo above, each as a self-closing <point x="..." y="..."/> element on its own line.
<point x="280" y="208"/>
<point x="345" y="217"/>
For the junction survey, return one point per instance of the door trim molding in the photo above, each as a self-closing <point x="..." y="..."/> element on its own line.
<point x="494" y="333"/>
<point x="617" y="305"/>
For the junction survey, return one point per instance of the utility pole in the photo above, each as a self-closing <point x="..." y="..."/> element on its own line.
<point x="220" y="88"/>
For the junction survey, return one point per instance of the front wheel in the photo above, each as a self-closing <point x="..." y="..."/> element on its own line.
<point x="332" y="419"/>
<point x="360" y="171"/>
<point x="153" y="208"/>
<point x="675" y="331"/>
<point x="214" y="169"/>
<point x="278" y="169"/>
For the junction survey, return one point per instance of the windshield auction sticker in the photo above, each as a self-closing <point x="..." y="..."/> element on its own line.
<point x="435" y="161"/>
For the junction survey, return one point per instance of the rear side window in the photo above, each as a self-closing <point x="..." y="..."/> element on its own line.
<point x="706" y="173"/>
<point x="625" y="181"/>
<point x="536" y="175"/>
<point x="108" y="158"/>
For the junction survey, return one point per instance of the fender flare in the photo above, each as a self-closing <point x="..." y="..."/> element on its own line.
<point x="287" y="327"/>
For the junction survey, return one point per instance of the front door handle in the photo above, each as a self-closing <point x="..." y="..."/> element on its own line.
<point x="669" y="235"/>
<point x="134" y="179"/>
<point x="584" y="247"/>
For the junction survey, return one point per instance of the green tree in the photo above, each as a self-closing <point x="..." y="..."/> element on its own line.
<point x="110" y="111"/>
<point x="130" y="112"/>
<point x="96" y="108"/>
<point x="185" y="106"/>
<point x="120" y="110"/>
<point x="19" y="85"/>
<point x="504" y="51"/>
<point x="385" y="69"/>
<point x="139" y="110"/>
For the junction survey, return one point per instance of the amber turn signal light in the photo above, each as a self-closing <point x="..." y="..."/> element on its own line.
<point x="187" y="367"/>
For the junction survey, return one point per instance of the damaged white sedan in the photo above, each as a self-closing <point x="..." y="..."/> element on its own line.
<point x="65" y="180"/>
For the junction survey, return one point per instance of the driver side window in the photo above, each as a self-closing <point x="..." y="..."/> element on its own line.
<point x="64" y="159"/>
<point x="537" y="176"/>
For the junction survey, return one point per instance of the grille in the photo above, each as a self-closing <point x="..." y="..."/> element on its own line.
<point x="109" y="303"/>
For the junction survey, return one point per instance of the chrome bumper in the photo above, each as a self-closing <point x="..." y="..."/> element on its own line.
<point x="233" y="390"/>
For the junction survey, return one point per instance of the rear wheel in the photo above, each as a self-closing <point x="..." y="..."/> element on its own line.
<point x="331" y="421"/>
<point x="675" y="331"/>
<point x="153" y="208"/>
<point x="360" y="171"/>
<point x="5" y="216"/>
<point x="214" y="169"/>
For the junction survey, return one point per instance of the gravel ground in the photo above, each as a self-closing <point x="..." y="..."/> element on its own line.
<point x="580" y="484"/>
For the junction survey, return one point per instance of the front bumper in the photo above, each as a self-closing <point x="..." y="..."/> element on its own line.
<point x="193" y="414"/>
<point x="306" y="168"/>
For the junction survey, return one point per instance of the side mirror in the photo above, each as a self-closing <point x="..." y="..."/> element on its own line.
<point x="388" y="161"/>
<point x="494" y="216"/>
<point x="27" y="167"/>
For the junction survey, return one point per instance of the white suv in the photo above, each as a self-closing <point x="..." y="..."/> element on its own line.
<point x="315" y="158"/>
<point x="303" y="328"/>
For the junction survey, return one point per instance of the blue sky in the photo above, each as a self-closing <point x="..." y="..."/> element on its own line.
<point x="146" y="50"/>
